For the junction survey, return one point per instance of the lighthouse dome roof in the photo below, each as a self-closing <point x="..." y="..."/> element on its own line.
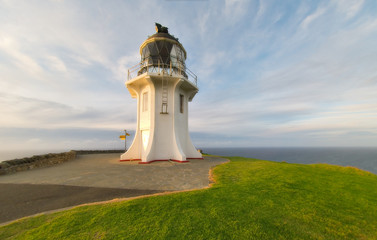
<point x="161" y="35"/>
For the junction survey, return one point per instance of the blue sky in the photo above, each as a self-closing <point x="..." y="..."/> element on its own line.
<point x="270" y="73"/>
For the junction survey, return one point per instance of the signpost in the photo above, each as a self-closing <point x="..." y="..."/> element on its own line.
<point x="123" y="137"/>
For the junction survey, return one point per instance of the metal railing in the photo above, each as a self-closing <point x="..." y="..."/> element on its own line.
<point x="161" y="68"/>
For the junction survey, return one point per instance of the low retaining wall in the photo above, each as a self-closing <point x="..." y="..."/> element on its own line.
<point x="16" y="165"/>
<point x="36" y="161"/>
<point x="80" y="152"/>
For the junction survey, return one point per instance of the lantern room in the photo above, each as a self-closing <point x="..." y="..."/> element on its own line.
<point x="162" y="50"/>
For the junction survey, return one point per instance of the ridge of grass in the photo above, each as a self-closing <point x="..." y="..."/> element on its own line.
<point x="251" y="199"/>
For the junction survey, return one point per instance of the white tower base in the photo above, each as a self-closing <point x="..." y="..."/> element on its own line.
<point x="162" y="118"/>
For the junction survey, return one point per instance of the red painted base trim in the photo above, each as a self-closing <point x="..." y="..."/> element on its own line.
<point x="163" y="160"/>
<point x="158" y="160"/>
<point x="129" y="160"/>
<point x="180" y="161"/>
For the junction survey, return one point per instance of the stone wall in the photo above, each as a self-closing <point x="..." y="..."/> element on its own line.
<point x="36" y="161"/>
<point x="79" y="152"/>
<point x="16" y="165"/>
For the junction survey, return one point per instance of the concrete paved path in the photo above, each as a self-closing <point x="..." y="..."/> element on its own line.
<point x="95" y="177"/>
<point x="21" y="200"/>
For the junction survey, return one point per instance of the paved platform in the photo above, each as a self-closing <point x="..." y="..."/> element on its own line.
<point x="105" y="170"/>
<point x="95" y="177"/>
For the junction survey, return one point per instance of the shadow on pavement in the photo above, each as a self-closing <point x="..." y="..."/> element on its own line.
<point x="21" y="200"/>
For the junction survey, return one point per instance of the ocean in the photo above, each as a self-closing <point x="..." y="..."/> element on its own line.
<point x="361" y="157"/>
<point x="13" y="154"/>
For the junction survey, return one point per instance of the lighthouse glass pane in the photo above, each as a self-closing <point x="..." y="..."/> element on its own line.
<point x="173" y="56"/>
<point x="153" y="49"/>
<point x="180" y="55"/>
<point x="173" y="52"/>
<point x="169" y="46"/>
<point x="153" y="61"/>
<point x="145" y="52"/>
<point x="164" y="55"/>
<point x="160" y="44"/>
<point x="173" y="61"/>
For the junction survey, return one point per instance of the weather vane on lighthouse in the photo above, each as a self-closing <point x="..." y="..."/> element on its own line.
<point x="163" y="86"/>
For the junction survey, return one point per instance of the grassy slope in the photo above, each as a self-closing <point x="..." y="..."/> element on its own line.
<point x="252" y="199"/>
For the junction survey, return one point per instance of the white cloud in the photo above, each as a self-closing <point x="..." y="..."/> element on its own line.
<point x="210" y="62"/>
<point x="23" y="61"/>
<point x="261" y="10"/>
<point x="56" y="64"/>
<point x="335" y="120"/>
<point x="21" y="112"/>
<point x="260" y="70"/>
<point x="81" y="60"/>
<point x="123" y="64"/>
<point x="312" y="17"/>
<point x="349" y="7"/>
<point x="234" y="10"/>
<point x="202" y="22"/>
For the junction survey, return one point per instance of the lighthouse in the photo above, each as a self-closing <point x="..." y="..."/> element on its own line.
<point x="163" y="87"/>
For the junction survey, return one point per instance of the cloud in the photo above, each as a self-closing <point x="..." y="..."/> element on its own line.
<point x="268" y="73"/>
<point x="234" y="10"/>
<point x="63" y="139"/>
<point x="56" y="64"/>
<point x="304" y="88"/>
<point x="19" y="112"/>
<point x="349" y="7"/>
<point x="261" y="10"/>
<point x="23" y="61"/>
<point x="123" y="64"/>
<point x="312" y="17"/>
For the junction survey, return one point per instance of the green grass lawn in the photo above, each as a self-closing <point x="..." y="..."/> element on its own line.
<point x="252" y="199"/>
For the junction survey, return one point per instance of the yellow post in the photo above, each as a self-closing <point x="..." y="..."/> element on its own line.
<point x="123" y="137"/>
<point x="125" y="140"/>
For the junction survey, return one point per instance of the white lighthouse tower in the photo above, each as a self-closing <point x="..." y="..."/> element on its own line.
<point x="163" y="86"/>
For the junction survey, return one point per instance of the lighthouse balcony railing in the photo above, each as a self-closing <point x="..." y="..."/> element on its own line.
<point x="161" y="68"/>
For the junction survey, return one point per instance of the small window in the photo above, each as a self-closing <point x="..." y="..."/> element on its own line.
<point x="181" y="101"/>
<point x="145" y="101"/>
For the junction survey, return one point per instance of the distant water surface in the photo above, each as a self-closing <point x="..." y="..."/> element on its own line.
<point x="363" y="158"/>
<point x="13" y="154"/>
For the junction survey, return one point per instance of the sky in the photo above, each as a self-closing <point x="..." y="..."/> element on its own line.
<point x="270" y="73"/>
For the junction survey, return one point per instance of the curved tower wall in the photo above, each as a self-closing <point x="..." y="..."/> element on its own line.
<point x="162" y="90"/>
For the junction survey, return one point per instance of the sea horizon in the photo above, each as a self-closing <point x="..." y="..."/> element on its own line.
<point x="364" y="158"/>
<point x="6" y="155"/>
